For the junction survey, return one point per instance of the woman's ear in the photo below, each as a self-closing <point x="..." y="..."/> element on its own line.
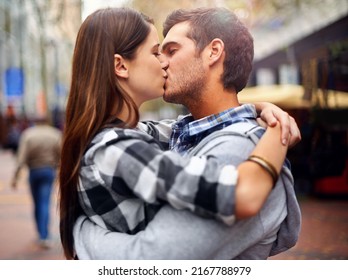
<point x="120" y="66"/>
<point x="216" y="50"/>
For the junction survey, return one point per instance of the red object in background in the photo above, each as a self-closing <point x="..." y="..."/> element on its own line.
<point x="333" y="184"/>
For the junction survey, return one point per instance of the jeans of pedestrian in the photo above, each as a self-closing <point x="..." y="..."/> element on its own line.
<point x="41" y="182"/>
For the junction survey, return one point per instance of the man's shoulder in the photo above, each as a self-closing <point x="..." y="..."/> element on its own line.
<point x="237" y="138"/>
<point x="54" y="131"/>
<point x="243" y="127"/>
<point x="246" y="129"/>
<point x="36" y="129"/>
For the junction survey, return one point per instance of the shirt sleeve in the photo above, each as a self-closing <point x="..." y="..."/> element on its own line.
<point x="135" y="167"/>
<point x="160" y="130"/>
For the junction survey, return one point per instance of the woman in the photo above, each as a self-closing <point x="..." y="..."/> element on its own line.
<point x="116" y="174"/>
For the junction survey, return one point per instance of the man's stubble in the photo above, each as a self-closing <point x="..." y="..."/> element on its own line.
<point x="186" y="87"/>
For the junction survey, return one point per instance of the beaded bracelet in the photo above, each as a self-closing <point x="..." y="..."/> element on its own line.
<point x="266" y="165"/>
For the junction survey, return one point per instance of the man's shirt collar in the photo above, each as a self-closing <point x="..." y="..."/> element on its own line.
<point x="188" y="132"/>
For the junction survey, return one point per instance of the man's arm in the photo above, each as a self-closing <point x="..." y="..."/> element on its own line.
<point x="21" y="159"/>
<point x="172" y="234"/>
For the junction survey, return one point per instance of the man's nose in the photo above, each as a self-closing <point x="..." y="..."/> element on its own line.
<point x="164" y="62"/>
<point x="165" y="65"/>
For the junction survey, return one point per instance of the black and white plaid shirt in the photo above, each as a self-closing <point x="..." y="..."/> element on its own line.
<point x="126" y="176"/>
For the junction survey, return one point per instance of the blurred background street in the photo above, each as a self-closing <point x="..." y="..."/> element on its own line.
<point x="324" y="234"/>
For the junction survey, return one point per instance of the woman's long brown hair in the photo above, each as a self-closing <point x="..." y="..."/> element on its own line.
<point x="94" y="96"/>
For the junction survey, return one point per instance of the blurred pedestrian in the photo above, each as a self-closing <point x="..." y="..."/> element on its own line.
<point x="39" y="150"/>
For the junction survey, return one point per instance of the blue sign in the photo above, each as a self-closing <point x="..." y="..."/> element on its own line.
<point x="60" y="89"/>
<point x="14" y="82"/>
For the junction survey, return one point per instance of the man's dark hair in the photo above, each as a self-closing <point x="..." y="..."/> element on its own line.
<point x="210" y="23"/>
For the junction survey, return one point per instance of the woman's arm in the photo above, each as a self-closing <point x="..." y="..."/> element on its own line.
<point x="128" y="166"/>
<point x="255" y="181"/>
<point x="269" y="114"/>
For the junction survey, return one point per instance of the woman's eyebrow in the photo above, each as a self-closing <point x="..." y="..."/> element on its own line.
<point x="156" y="47"/>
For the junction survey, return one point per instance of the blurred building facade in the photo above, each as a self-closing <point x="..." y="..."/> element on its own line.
<point x="36" y="44"/>
<point x="310" y="50"/>
<point x="312" y="57"/>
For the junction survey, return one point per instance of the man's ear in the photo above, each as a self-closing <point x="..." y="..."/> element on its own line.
<point x="120" y="66"/>
<point x="216" y="49"/>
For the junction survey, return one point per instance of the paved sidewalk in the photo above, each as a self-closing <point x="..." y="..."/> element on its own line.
<point x="324" y="233"/>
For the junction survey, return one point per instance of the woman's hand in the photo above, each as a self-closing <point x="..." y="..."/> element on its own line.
<point x="270" y="114"/>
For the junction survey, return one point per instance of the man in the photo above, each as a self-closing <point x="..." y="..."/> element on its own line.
<point x="39" y="150"/>
<point x="210" y="55"/>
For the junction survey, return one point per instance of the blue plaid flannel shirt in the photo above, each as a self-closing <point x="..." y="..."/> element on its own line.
<point x="187" y="133"/>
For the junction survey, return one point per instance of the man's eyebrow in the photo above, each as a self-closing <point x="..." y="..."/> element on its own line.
<point x="165" y="46"/>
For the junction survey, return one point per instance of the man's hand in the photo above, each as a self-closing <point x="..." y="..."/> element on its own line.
<point x="271" y="113"/>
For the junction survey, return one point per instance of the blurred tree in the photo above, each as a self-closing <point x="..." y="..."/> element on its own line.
<point x="47" y="13"/>
<point x="251" y="11"/>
